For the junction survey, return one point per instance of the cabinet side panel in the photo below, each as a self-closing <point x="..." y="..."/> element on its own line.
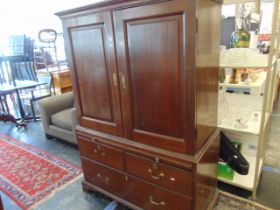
<point x="206" y="174"/>
<point x="207" y="67"/>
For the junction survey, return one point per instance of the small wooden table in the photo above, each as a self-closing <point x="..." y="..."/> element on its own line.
<point x="62" y="81"/>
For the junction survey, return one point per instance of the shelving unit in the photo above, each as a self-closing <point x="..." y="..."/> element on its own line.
<point x="254" y="88"/>
<point x="258" y="99"/>
<point x="245" y="182"/>
<point x="253" y="126"/>
<point x="248" y="59"/>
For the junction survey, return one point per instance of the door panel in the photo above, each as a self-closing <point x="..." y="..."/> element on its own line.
<point x="150" y="50"/>
<point x="92" y="80"/>
<point x="94" y="64"/>
<point x="156" y="85"/>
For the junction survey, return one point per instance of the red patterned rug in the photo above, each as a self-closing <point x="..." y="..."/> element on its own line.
<point x="29" y="175"/>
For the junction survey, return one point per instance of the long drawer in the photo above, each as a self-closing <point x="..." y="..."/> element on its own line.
<point x="165" y="175"/>
<point x="132" y="189"/>
<point x="152" y="197"/>
<point x="105" y="154"/>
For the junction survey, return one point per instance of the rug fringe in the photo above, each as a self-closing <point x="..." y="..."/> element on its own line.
<point x="246" y="200"/>
<point x="54" y="192"/>
<point x="212" y="203"/>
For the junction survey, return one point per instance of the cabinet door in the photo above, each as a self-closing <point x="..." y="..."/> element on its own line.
<point x="154" y="66"/>
<point x="92" y="52"/>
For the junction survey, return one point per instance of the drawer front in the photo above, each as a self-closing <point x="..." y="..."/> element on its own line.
<point x="105" y="154"/>
<point x="133" y="190"/>
<point x="66" y="89"/>
<point x="103" y="177"/>
<point x="148" y="196"/>
<point x="168" y="176"/>
<point x="65" y="80"/>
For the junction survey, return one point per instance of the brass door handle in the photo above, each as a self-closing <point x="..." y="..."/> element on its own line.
<point x="161" y="203"/>
<point x="115" y="79"/>
<point x="154" y="176"/>
<point x="123" y="81"/>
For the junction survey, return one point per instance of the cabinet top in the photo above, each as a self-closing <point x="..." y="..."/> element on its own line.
<point x="110" y="4"/>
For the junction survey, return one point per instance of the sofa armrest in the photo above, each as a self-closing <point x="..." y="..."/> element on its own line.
<point x="51" y="105"/>
<point x="74" y="118"/>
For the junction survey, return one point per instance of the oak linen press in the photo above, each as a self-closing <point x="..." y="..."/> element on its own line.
<point x="146" y="84"/>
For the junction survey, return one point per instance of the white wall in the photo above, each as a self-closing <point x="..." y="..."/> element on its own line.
<point x="30" y="16"/>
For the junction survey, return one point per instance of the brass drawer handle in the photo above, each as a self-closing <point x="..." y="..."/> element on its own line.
<point x="103" y="154"/>
<point x="161" y="175"/>
<point x="99" y="176"/>
<point x="161" y="203"/>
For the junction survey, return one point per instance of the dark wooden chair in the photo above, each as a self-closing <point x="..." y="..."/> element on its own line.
<point x="6" y="79"/>
<point x="1" y="204"/>
<point x="5" y="71"/>
<point x="5" y="114"/>
<point x="40" y="92"/>
<point x="22" y="69"/>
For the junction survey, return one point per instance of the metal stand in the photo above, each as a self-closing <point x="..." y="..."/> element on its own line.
<point x="112" y="206"/>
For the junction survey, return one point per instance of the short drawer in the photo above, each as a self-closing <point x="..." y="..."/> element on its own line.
<point x="103" y="177"/>
<point x="165" y="175"/>
<point x="66" y="89"/>
<point x="65" y="78"/>
<point x="105" y="154"/>
<point x="148" y="196"/>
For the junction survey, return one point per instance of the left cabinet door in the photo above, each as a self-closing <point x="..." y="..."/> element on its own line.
<point x="91" y="54"/>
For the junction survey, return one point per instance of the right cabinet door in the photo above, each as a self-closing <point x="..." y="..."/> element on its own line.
<point x="154" y="67"/>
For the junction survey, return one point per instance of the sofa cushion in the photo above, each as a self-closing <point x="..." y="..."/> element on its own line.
<point x="62" y="119"/>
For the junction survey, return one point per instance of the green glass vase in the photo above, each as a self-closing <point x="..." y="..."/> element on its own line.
<point x="240" y="39"/>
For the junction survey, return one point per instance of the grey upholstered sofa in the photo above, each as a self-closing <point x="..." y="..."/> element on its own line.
<point x="59" y="116"/>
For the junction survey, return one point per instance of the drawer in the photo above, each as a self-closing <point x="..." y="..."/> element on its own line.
<point x="162" y="174"/>
<point x="65" y="78"/>
<point x="66" y="89"/>
<point x="103" y="177"/>
<point x="133" y="190"/>
<point x="105" y="154"/>
<point x="148" y="196"/>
